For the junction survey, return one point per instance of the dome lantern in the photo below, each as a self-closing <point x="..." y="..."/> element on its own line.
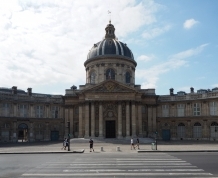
<point x="110" y="31"/>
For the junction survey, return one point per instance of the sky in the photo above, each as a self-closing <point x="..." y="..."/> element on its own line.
<point x="44" y="43"/>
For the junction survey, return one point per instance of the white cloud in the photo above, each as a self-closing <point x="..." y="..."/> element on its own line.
<point x="145" y="58"/>
<point x="152" y="33"/>
<point x="45" y="43"/>
<point x="189" y="53"/>
<point x="151" y="76"/>
<point x="189" y="23"/>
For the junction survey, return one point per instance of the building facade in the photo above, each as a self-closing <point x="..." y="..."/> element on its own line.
<point x="109" y="105"/>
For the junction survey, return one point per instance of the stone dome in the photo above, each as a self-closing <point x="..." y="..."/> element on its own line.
<point x="110" y="46"/>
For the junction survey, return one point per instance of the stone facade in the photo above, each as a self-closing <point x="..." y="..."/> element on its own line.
<point x="27" y="116"/>
<point x="109" y="105"/>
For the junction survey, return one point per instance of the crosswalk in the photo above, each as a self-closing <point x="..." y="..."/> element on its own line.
<point x="144" y="165"/>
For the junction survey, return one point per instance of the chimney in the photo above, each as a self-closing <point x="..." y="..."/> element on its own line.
<point x="14" y="90"/>
<point x="29" y="91"/>
<point x="191" y="90"/>
<point x="171" y="92"/>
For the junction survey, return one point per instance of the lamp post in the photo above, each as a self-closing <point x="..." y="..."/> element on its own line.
<point x="68" y="125"/>
<point x="156" y="140"/>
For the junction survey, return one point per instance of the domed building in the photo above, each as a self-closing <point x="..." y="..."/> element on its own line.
<point x="110" y="105"/>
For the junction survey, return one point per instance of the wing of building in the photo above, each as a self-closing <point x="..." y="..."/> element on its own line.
<point x="108" y="105"/>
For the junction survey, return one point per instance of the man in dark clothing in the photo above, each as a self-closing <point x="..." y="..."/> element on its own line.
<point x="137" y="143"/>
<point x="91" y="145"/>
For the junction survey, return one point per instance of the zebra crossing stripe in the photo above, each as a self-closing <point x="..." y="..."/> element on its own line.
<point x="114" y="174"/>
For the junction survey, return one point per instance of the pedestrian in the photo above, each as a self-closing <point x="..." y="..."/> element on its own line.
<point x="67" y="143"/>
<point x="64" y="144"/>
<point x="132" y="143"/>
<point x="91" y="145"/>
<point x="137" y="143"/>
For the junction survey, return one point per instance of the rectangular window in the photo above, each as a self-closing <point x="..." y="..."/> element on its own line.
<point x="165" y="110"/>
<point x="39" y="111"/>
<point x="54" y="112"/>
<point x="23" y="110"/>
<point x="197" y="109"/>
<point x="213" y="108"/>
<point x="180" y="110"/>
<point x="5" y="110"/>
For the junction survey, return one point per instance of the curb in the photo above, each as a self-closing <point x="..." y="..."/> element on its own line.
<point x="44" y="152"/>
<point x="153" y="151"/>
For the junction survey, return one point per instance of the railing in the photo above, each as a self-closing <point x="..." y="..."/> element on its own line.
<point x="4" y="96"/>
<point x="188" y="97"/>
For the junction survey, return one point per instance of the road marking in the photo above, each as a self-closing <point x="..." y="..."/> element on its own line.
<point x="152" y="166"/>
<point x="129" y="164"/>
<point x="145" y="159"/>
<point x="116" y="174"/>
<point x="132" y="170"/>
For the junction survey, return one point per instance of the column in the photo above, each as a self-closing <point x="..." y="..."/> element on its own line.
<point x="31" y="134"/>
<point x="87" y="120"/>
<point x="133" y="120"/>
<point x="92" y="119"/>
<point x="140" y="119"/>
<point x="173" y="130"/>
<point x="127" y="120"/>
<point x="80" y="121"/>
<point x="154" y="120"/>
<point x="65" y="121"/>
<point x="31" y="110"/>
<point x="100" y="120"/>
<point x="188" y="134"/>
<point x="14" y="131"/>
<point x="119" y="120"/>
<point x="150" y="130"/>
<point x="46" y="132"/>
<point x="47" y="111"/>
<point x="204" y="130"/>
<point x="71" y="122"/>
<point x="15" y="109"/>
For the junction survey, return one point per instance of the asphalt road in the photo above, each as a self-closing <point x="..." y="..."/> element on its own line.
<point x="113" y="165"/>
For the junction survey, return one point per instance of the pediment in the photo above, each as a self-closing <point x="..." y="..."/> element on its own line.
<point x="110" y="86"/>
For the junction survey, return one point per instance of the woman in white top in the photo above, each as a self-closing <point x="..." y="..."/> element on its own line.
<point x="132" y="144"/>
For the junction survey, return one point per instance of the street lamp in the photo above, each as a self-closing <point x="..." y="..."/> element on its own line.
<point x="68" y="125"/>
<point x="156" y="140"/>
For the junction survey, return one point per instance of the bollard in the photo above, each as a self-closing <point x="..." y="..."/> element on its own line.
<point x="118" y="148"/>
<point x="153" y="146"/>
<point x="102" y="148"/>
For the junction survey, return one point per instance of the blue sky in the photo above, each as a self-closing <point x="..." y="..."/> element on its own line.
<point x="43" y="44"/>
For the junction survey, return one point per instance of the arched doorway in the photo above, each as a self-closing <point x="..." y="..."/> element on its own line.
<point x="181" y="131"/>
<point x="197" y="130"/>
<point x="23" y="133"/>
<point x="214" y="131"/>
<point x="110" y="125"/>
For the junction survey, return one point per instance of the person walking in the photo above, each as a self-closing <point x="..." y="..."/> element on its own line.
<point x="64" y="144"/>
<point x="137" y="143"/>
<point x="132" y="143"/>
<point x="91" y="145"/>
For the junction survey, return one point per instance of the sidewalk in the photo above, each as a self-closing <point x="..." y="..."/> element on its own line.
<point x="107" y="146"/>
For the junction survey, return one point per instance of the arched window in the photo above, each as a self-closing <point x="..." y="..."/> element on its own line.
<point x="214" y="124"/>
<point x="92" y="78"/>
<point x="22" y="126"/>
<point x="181" y="124"/>
<point x="197" y="124"/>
<point x="110" y="74"/>
<point x="128" y="77"/>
